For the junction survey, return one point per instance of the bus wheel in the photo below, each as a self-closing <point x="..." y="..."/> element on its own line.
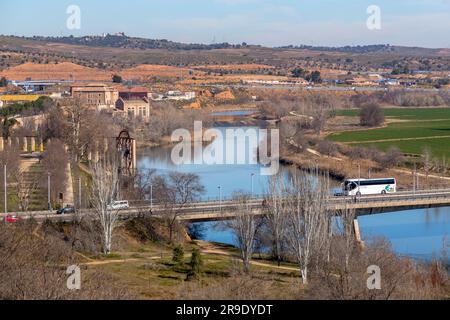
<point x="383" y="192"/>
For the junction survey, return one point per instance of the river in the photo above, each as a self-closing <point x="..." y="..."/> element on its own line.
<point x="419" y="234"/>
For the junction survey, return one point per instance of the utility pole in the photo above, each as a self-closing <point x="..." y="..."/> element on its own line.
<point x="252" y="175"/>
<point x="5" y="189"/>
<point x="220" y="197"/>
<point x="79" y="193"/>
<point x="48" y="192"/>
<point x="359" y="178"/>
<point x="151" y="197"/>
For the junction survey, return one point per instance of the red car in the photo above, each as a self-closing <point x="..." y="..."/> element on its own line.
<point x="11" y="218"/>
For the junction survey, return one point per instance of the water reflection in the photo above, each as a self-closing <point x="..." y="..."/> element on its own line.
<point x="230" y="177"/>
<point x="416" y="233"/>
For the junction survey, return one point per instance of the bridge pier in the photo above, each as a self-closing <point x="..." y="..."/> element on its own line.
<point x="33" y="144"/>
<point x="25" y="145"/>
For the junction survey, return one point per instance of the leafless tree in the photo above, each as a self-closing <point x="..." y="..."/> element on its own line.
<point x="105" y="190"/>
<point x="77" y="113"/>
<point x="276" y="214"/>
<point x="25" y="186"/>
<point x="244" y="227"/>
<point x="392" y="158"/>
<point x="372" y="115"/>
<point x="174" y="192"/>
<point x="55" y="161"/>
<point x="307" y="217"/>
<point x="346" y="230"/>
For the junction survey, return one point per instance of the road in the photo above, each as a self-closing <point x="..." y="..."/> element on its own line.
<point x="313" y="88"/>
<point x="219" y="210"/>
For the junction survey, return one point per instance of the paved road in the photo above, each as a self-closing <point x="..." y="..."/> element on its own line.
<point x="314" y="88"/>
<point x="213" y="210"/>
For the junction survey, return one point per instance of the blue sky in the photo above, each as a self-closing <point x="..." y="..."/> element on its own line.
<point x="268" y="22"/>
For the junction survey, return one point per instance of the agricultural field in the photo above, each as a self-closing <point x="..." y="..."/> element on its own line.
<point x="413" y="130"/>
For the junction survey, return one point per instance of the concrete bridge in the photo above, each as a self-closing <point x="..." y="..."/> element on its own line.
<point x="220" y="210"/>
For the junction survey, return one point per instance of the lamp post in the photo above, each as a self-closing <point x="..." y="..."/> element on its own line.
<point x="5" y="189"/>
<point x="220" y="197"/>
<point x="252" y="176"/>
<point x="79" y="193"/>
<point x="48" y="192"/>
<point x="151" y="197"/>
<point x="359" y="179"/>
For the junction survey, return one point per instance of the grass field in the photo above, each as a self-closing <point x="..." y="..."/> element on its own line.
<point x="410" y="129"/>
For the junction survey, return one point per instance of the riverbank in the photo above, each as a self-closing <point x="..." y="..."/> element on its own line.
<point x="345" y="168"/>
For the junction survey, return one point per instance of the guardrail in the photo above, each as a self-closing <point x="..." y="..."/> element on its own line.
<point x="144" y="207"/>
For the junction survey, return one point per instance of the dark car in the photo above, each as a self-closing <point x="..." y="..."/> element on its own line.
<point x="66" y="210"/>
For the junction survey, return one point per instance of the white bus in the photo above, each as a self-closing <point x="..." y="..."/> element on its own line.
<point x="360" y="187"/>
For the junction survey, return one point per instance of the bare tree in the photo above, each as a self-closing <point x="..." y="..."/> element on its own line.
<point x="276" y="215"/>
<point x="347" y="231"/>
<point x="174" y="192"/>
<point x="244" y="227"/>
<point x="54" y="162"/>
<point x="372" y="115"/>
<point x="76" y="114"/>
<point x="307" y="217"/>
<point x="25" y="186"/>
<point x="105" y="190"/>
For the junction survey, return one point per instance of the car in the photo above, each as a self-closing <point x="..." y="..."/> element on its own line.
<point x="12" y="218"/>
<point x="66" y="210"/>
<point x="119" y="205"/>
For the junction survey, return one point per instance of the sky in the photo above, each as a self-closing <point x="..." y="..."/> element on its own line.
<point x="424" y="23"/>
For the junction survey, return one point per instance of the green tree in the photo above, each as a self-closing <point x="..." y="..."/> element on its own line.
<point x="315" y="77"/>
<point x="178" y="254"/>
<point x="3" y="82"/>
<point x="299" y="73"/>
<point x="7" y="124"/>
<point x="117" y="79"/>
<point x="195" y="265"/>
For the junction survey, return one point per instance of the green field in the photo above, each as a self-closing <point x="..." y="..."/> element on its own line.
<point x="416" y="129"/>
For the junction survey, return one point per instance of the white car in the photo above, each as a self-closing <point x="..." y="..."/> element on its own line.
<point x="119" y="205"/>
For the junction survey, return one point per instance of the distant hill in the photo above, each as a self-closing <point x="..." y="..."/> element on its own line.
<point x="120" y="52"/>
<point x="123" y="41"/>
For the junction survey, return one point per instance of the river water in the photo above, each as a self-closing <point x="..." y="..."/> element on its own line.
<point x="420" y="234"/>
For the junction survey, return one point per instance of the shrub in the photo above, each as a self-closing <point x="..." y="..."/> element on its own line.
<point x="372" y="115"/>
<point x="328" y="148"/>
<point x="195" y="265"/>
<point x="178" y="254"/>
<point x="393" y="157"/>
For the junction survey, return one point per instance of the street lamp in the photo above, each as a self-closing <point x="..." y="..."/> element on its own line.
<point x="151" y="197"/>
<point x="359" y="179"/>
<point x="252" y="175"/>
<point x="48" y="193"/>
<point x="6" y="191"/>
<point x="220" y="197"/>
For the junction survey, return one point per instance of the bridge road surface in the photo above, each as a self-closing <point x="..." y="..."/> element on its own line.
<point x="216" y="210"/>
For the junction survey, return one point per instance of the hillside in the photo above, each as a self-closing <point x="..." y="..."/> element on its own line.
<point x="52" y="71"/>
<point x="119" y="52"/>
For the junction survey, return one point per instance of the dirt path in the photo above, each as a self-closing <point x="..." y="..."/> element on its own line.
<point x="205" y="247"/>
<point x="210" y="248"/>
<point x="396" y="139"/>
